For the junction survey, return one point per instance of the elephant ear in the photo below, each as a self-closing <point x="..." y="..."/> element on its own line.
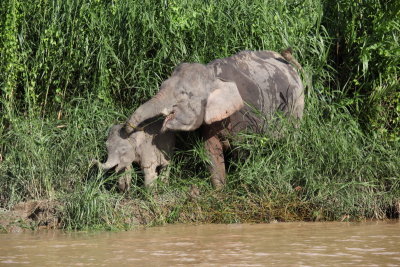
<point x="223" y="101"/>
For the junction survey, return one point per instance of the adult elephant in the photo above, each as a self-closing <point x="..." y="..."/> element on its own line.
<point x="224" y="97"/>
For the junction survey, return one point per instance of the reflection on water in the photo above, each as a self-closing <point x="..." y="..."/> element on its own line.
<point x="281" y="244"/>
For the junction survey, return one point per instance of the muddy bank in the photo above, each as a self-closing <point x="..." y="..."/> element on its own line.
<point x="48" y="214"/>
<point x="30" y="215"/>
<point x="192" y="206"/>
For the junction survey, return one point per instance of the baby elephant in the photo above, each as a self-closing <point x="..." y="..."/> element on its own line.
<point x="150" y="148"/>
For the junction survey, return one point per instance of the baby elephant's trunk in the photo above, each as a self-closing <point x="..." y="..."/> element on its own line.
<point x="104" y="166"/>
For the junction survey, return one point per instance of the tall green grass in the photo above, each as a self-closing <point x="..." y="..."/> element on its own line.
<point x="366" y="55"/>
<point x="327" y="163"/>
<point x="120" y="51"/>
<point x="70" y="69"/>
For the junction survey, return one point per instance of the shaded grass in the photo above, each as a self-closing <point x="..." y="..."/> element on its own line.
<point x="328" y="163"/>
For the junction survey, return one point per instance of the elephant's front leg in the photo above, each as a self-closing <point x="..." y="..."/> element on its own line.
<point x="124" y="182"/>
<point x="150" y="174"/>
<point x="215" y="153"/>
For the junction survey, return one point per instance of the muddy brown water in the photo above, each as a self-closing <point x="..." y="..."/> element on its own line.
<point x="280" y="244"/>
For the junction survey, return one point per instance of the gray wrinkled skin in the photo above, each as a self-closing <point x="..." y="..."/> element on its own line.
<point x="149" y="148"/>
<point x="266" y="82"/>
<point x="224" y="97"/>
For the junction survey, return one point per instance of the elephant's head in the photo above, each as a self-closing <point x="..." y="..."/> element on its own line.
<point x="193" y="95"/>
<point x="121" y="152"/>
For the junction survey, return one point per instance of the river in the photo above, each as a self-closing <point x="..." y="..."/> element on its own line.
<point x="280" y="244"/>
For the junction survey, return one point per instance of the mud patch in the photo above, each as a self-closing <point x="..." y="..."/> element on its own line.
<point x="30" y="215"/>
<point x="47" y="214"/>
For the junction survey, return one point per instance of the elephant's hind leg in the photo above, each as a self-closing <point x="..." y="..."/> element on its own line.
<point x="215" y="153"/>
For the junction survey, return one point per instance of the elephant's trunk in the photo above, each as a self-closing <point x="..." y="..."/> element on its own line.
<point x="154" y="107"/>
<point x="104" y="166"/>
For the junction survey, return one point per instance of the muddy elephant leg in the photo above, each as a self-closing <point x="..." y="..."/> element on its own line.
<point x="150" y="175"/>
<point x="124" y="182"/>
<point x="215" y="153"/>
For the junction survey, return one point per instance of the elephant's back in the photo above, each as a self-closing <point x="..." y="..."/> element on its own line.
<point x="266" y="82"/>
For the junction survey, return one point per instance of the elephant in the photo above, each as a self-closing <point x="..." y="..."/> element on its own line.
<point x="227" y="96"/>
<point x="150" y="148"/>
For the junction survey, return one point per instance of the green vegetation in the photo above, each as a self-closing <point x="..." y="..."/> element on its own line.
<point x="70" y="69"/>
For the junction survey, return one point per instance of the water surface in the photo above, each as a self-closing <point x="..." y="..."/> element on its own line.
<point x="281" y="244"/>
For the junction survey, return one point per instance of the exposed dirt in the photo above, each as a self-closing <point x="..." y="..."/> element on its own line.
<point x="30" y="215"/>
<point x="39" y="214"/>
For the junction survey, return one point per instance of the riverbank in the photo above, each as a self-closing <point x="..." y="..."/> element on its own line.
<point x="188" y="205"/>
<point x="45" y="214"/>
